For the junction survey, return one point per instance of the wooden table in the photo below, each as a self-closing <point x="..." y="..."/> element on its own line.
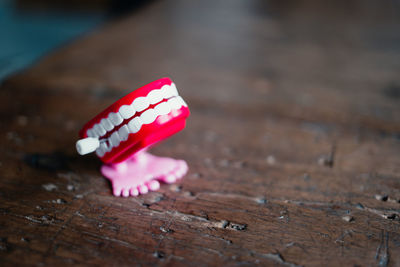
<point x="293" y="143"/>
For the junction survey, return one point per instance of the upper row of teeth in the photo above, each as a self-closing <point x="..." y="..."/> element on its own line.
<point x="128" y="111"/>
<point x="135" y="124"/>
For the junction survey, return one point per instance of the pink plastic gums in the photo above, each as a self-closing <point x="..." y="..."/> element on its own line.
<point x="141" y="173"/>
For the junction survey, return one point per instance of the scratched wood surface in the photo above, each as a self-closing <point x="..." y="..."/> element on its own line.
<point x="293" y="143"/>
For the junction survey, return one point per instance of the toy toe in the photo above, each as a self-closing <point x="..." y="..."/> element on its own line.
<point x="169" y="178"/>
<point x="143" y="189"/>
<point x="181" y="170"/>
<point x="117" y="192"/>
<point x="153" y="185"/>
<point x="125" y="192"/>
<point x="134" y="192"/>
<point x="185" y="167"/>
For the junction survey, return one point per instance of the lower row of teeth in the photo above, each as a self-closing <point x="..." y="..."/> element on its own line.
<point x="135" y="124"/>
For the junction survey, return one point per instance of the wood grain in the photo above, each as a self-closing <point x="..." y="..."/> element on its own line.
<point x="293" y="143"/>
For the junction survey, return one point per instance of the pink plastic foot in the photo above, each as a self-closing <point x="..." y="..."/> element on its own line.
<point x="141" y="173"/>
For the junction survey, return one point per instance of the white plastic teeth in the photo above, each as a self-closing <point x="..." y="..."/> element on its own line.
<point x="99" y="129"/>
<point x="163" y="108"/>
<point x="155" y="96"/>
<point x="114" y="139"/>
<point x="136" y="123"/>
<point x="148" y="116"/>
<point x="125" y="112"/>
<point x="91" y="133"/>
<point x="107" y="125"/>
<point x="115" y="118"/>
<point x="141" y="103"/>
<point x="123" y="133"/>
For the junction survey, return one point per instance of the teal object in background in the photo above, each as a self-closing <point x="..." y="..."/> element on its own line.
<point x="27" y="35"/>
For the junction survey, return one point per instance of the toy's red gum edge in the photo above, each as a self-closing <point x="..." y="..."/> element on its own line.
<point x="126" y="100"/>
<point x="148" y="135"/>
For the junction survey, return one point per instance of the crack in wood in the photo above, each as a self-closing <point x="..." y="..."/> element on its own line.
<point x="62" y="227"/>
<point x="276" y="257"/>
<point x="386" y="214"/>
<point x="162" y="234"/>
<point x="43" y="220"/>
<point x="340" y="239"/>
<point x="114" y="240"/>
<point x="202" y="222"/>
<point x="259" y="200"/>
<point x="227" y="241"/>
<point x="382" y="251"/>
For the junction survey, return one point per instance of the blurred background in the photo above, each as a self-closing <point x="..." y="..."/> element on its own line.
<point x="30" y="29"/>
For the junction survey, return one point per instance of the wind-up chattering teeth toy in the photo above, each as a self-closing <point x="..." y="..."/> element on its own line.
<point x="123" y="132"/>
